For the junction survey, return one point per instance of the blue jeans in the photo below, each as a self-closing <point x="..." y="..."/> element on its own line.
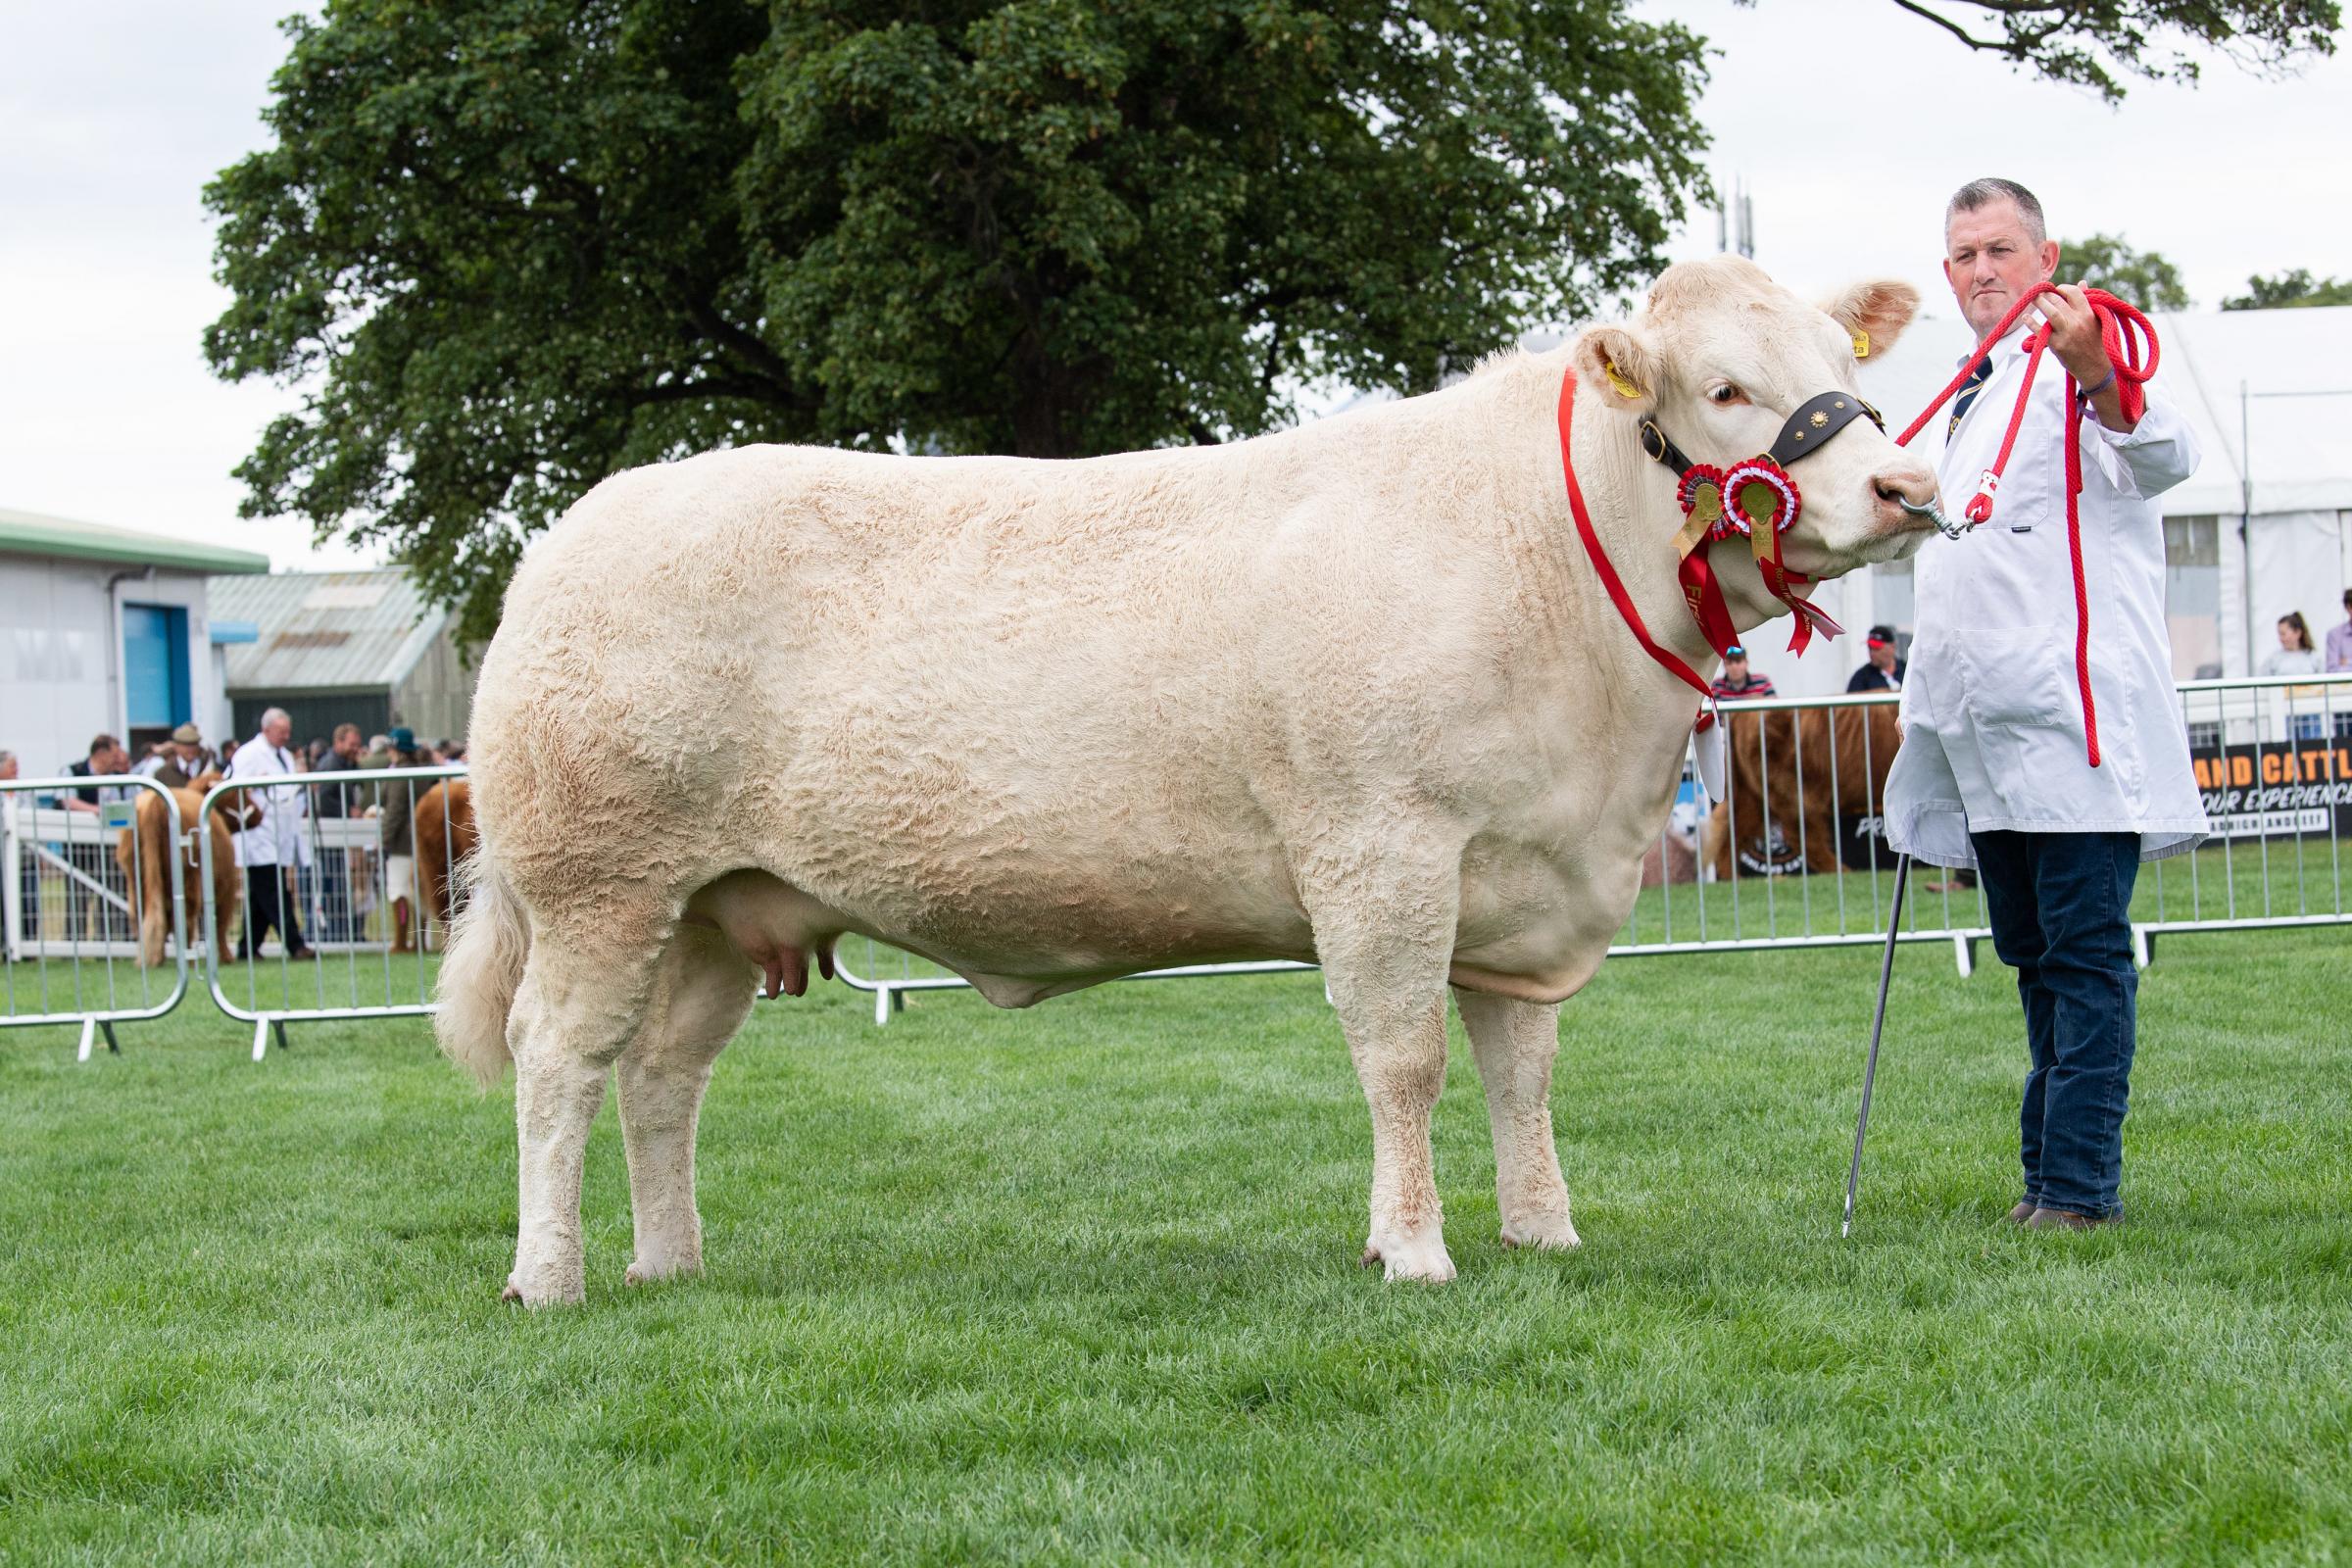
<point x="2059" y="905"/>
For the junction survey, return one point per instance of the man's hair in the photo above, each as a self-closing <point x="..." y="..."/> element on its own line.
<point x="352" y="730"/>
<point x="275" y="716"/>
<point x="1984" y="192"/>
<point x="102" y="743"/>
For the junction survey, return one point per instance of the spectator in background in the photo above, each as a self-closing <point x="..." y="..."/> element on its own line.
<point x="272" y="845"/>
<point x="313" y="752"/>
<point x="452" y="750"/>
<point x="178" y="761"/>
<point x="338" y="919"/>
<point x="1884" y="671"/>
<point x="107" y="758"/>
<point x="2294" y="656"/>
<point x="2339" y="661"/>
<point x="1738" y="680"/>
<point x="398" y="829"/>
<point x="8" y="766"/>
<point x="379" y="753"/>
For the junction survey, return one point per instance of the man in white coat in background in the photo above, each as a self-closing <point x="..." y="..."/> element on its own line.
<point x="273" y="847"/>
<point x="1996" y="769"/>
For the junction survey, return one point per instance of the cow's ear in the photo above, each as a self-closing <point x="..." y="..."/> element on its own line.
<point x="1874" y="314"/>
<point x="1620" y="364"/>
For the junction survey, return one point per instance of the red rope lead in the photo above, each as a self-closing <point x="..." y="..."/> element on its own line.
<point x="2131" y="349"/>
<point x="1600" y="557"/>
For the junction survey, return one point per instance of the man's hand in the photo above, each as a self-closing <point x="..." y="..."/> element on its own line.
<point x="2074" y="340"/>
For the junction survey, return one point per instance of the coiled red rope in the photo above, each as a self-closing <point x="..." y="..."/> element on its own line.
<point x="2131" y="349"/>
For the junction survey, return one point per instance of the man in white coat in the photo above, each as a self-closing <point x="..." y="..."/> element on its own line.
<point x="1996" y="769"/>
<point x="274" y="846"/>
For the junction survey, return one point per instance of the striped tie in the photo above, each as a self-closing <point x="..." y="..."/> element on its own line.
<point x="1968" y="395"/>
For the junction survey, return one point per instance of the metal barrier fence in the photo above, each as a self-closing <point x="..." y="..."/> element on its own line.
<point x="365" y="861"/>
<point x="92" y="902"/>
<point x="1794" y="855"/>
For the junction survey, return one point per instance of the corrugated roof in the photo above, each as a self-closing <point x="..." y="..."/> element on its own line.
<point x="324" y="630"/>
<point x="35" y="534"/>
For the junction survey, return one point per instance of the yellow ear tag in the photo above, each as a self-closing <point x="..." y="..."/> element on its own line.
<point x="1625" y="389"/>
<point x="1861" y="344"/>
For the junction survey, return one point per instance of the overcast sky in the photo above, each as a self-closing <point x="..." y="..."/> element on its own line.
<point x="1850" y="121"/>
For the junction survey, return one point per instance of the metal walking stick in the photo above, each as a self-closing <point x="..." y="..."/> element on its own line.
<point x="1878" y="1026"/>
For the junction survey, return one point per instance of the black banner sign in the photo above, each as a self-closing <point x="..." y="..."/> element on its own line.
<point x="2277" y="789"/>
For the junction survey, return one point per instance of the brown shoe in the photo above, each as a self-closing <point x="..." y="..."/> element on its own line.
<point x="2060" y="1219"/>
<point x="2022" y="1212"/>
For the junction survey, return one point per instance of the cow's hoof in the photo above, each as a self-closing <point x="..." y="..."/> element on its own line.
<point x="1547" y="1233"/>
<point x="643" y="1273"/>
<point x="517" y="1292"/>
<point x="1410" y="1259"/>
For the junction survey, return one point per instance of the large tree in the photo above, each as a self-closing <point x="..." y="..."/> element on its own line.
<point x="516" y="244"/>
<point x="2094" y="43"/>
<point x="508" y="246"/>
<point x="2288" y="290"/>
<point x="2145" y="279"/>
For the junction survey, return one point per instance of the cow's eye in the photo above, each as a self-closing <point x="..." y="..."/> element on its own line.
<point x="1725" y="394"/>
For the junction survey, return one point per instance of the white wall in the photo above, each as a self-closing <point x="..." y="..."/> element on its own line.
<point x="60" y="654"/>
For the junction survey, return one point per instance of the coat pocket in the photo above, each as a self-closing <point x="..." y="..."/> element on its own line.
<point x="2019" y="702"/>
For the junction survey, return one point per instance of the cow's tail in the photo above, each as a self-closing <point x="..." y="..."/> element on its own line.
<point x="488" y="943"/>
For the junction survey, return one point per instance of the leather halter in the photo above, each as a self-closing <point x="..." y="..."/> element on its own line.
<point x="1755" y="497"/>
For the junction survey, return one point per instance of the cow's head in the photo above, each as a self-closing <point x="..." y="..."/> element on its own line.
<point x="1721" y="356"/>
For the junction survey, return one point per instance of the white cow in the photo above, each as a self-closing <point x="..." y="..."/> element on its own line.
<point x="1350" y="693"/>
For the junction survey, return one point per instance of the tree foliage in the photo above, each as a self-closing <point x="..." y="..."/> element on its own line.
<point x="510" y="246"/>
<point x="2107" y="260"/>
<point x="2094" y="43"/>
<point x="2289" y="289"/>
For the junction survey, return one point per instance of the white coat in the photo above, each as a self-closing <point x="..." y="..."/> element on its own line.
<point x="277" y="840"/>
<point x="1993" y="714"/>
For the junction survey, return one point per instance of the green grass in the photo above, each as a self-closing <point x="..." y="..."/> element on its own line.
<point x="1079" y="1285"/>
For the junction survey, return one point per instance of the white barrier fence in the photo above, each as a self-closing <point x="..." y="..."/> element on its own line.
<point x="76" y="877"/>
<point x="1794" y="856"/>
<point x="367" y="859"/>
<point x="1790" y="859"/>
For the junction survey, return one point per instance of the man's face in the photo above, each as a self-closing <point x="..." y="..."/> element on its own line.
<point x="1734" y="668"/>
<point x="1883" y="655"/>
<point x="8" y="768"/>
<point x="116" y="760"/>
<point x="347" y="747"/>
<point x="186" y="751"/>
<point x="275" y="730"/>
<point x="1990" y="260"/>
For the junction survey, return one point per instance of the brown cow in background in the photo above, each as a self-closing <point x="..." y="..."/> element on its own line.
<point x="1841" y="784"/>
<point x="149" y="880"/>
<point x="445" y="835"/>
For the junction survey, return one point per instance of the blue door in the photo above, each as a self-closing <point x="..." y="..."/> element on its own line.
<point x="155" y="666"/>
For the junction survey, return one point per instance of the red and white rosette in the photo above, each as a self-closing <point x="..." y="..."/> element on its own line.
<point x="1741" y="484"/>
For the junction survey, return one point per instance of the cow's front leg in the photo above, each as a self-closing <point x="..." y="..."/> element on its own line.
<point x="1515" y="1043"/>
<point x="1385" y="940"/>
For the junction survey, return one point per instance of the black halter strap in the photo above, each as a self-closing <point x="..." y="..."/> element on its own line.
<point x="1808" y="430"/>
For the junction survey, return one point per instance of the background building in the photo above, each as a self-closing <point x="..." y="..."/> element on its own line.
<point x="107" y="629"/>
<point x="362" y="647"/>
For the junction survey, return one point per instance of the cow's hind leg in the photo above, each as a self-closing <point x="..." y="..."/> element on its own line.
<point x="1515" y="1043"/>
<point x="1384" y="937"/>
<point x="700" y="996"/>
<point x="581" y="1001"/>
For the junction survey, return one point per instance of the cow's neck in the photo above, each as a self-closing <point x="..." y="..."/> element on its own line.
<point x="1631" y="501"/>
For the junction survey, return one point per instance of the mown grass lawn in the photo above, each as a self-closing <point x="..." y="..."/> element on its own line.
<point x="1079" y="1285"/>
